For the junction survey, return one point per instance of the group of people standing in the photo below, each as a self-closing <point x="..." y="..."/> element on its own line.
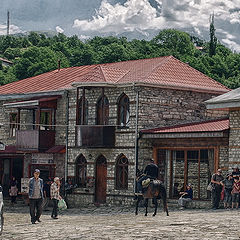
<point x="228" y="187"/>
<point x="37" y="196"/>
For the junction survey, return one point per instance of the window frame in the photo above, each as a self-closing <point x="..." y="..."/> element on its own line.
<point x="122" y="121"/>
<point x="121" y="173"/>
<point x="13" y="124"/>
<point x="81" y="164"/>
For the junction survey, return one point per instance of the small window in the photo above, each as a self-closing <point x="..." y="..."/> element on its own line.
<point x="103" y="111"/>
<point x="13" y="124"/>
<point x="81" y="171"/>
<point x="122" y="173"/>
<point x="46" y="119"/>
<point x="123" y="111"/>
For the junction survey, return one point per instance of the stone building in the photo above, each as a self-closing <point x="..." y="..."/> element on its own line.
<point x="100" y="123"/>
<point x="230" y="102"/>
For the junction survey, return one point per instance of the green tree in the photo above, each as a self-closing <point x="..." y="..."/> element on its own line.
<point x="176" y="41"/>
<point x="213" y="39"/>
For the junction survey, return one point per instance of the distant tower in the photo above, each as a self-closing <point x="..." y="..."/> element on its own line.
<point x="8" y="25"/>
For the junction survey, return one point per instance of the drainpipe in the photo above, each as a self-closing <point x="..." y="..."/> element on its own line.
<point x="66" y="154"/>
<point x="136" y="138"/>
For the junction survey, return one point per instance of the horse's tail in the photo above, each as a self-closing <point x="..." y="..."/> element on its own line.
<point x="163" y="195"/>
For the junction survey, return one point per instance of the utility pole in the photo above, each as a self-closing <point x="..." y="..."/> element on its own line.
<point x="8" y="23"/>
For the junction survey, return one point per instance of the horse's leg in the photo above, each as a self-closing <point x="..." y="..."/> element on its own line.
<point x="165" y="204"/>
<point x="163" y="196"/>
<point x="137" y="203"/>
<point x="146" y="206"/>
<point x="166" y="209"/>
<point x="156" y="206"/>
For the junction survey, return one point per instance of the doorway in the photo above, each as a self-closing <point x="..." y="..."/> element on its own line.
<point x="101" y="180"/>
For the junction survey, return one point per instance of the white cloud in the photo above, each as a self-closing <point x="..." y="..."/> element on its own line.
<point x="141" y="16"/>
<point x="231" y="44"/>
<point x="13" y="29"/>
<point x="59" y="29"/>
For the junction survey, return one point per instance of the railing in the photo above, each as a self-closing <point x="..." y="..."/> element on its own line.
<point x="95" y="136"/>
<point x="35" y="139"/>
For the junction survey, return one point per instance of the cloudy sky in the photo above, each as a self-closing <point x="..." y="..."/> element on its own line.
<point x="140" y="19"/>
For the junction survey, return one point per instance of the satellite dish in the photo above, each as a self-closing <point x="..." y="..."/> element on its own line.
<point x="2" y="146"/>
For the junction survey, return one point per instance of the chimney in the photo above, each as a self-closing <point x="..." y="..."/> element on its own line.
<point x="59" y="64"/>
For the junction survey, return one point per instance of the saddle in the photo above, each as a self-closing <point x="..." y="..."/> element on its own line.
<point x="146" y="182"/>
<point x="154" y="183"/>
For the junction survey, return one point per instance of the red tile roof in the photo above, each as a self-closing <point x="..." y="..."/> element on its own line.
<point x="208" y="126"/>
<point x="167" y="72"/>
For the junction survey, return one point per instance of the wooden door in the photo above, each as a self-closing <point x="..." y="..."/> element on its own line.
<point x="101" y="180"/>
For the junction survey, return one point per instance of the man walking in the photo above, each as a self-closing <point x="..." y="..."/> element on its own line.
<point x="35" y="196"/>
<point x="55" y="196"/>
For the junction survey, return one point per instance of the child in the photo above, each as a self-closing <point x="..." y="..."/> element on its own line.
<point x="235" y="192"/>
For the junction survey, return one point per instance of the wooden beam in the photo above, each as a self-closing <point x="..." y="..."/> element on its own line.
<point x="199" y="174"/>
<point x="185" y="169"/>
<point x="155" y="155"/>
<point x="216" y="159"/>
<point x="18" y="119"/>
<point x="171" y="176"/>
<point x="83" y="107"/>
<point x="77" y="107"/>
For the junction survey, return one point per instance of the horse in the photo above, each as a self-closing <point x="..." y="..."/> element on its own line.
<point x="155" y="190"/>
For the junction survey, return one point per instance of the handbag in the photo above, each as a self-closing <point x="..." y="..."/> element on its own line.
<point x="210" y="187"/>
<point x="62" y="205"/>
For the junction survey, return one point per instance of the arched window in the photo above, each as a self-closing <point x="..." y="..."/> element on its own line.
<point x="123" y="111"/>
<point x="81" y="171"/>
<point x="122" y="172"/>
<point x="102" y="111"/>
<point x="82" y="111"/>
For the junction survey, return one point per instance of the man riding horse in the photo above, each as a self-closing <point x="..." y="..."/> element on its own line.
<point x="151" y="171"/>
<point x="154" y="189"/>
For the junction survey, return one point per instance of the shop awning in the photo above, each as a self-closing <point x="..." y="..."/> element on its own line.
<point x="30" y="103"/>
<point x="57" y="149"/>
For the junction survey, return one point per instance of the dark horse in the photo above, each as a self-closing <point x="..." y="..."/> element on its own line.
<point x="154" y="191"/>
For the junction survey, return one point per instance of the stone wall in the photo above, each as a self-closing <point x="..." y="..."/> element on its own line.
<point x="157" y="108"/>
<point x="234" y="139"/>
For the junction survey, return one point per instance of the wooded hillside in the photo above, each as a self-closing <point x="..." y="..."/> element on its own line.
<point x="35" y="54"/>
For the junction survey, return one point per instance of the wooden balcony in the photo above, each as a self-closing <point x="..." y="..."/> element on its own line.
<point x="95" y="136"/>
<point x="38" y="140"/>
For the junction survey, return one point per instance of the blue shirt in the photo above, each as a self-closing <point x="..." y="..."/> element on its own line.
<point x="189" y="194"/>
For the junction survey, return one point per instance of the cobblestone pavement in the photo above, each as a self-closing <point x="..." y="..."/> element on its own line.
<point x="119" y="223"/>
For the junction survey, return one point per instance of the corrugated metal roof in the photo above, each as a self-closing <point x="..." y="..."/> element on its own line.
<point x="167" y="72"/>
<point x="208" y="126"/>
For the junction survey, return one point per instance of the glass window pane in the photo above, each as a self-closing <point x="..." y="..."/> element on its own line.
<point x="178" y="172"/>
<point x="192" y="160"/>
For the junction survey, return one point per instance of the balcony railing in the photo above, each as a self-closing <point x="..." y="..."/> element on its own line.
<point x="95" y="136"/>
<point x="39" y="140"/>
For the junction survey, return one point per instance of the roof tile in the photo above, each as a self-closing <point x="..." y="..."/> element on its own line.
<point x="166" y="71"/>
<point x="208" y="126"/>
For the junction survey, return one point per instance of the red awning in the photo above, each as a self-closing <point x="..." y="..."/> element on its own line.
<point x="57" y="149"/>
